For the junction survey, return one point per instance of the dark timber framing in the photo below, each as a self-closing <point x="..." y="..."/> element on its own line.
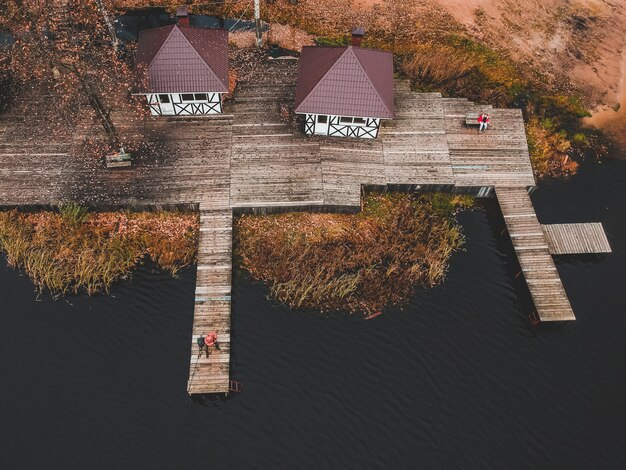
<point x="335" y="126"/>
<point x="176" y="104"/>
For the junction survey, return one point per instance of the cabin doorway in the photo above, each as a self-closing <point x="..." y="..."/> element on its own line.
<point x="321" y="124"/>
<point x="167" y="107"/>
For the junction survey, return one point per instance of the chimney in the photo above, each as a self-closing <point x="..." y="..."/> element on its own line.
<point x="182" y="16"/>
<point x="357" y="36"/>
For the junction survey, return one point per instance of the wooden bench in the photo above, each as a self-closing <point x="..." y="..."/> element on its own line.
<point x="471" y="119"/>
<point x="119" y="160"/>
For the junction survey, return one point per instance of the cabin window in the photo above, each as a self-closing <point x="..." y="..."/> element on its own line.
<point x="359" y="121"/>
<point x="187" y="96"/>
<point x="345" y="120"/>
<point x="200" y="96"/>
<point x="164" y="98"/>
<point x="322" y="119"/>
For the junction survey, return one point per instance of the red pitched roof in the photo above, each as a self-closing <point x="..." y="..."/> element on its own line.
<point x="180" y="59"/>
<point x="345" y="81"/>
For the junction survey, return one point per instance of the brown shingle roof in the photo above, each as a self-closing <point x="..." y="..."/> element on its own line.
<point x="177" y="59"/>
<point x="345" y="81"/>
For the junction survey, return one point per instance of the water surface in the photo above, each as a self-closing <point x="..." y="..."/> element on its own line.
<point x="457" y="379"/>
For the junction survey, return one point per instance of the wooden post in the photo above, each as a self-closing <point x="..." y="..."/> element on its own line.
<point x="257" y="21"/>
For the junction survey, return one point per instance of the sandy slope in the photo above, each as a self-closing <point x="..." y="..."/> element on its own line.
<point x="605" y="117"/>
<point x="580" y="43"/>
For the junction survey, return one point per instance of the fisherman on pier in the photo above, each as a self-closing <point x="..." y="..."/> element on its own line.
<point x="206" y="342"/>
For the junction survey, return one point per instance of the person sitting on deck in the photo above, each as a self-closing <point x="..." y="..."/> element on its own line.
<point x="483" y="122"/>
<point x="202" y="345"/>
<point x="211" y="340"/>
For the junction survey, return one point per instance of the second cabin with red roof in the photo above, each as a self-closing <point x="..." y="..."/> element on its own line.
<point x="345" y="91"/>
<point x="183" y="70"/>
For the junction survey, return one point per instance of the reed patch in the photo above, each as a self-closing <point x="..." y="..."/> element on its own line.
<point x="358" y="263"/>
<point x="73" y="250"/>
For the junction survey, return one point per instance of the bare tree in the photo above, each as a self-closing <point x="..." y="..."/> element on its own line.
<point x="69" y="47"/>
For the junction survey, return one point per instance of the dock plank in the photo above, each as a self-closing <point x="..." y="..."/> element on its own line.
<point x="580" y="238"/>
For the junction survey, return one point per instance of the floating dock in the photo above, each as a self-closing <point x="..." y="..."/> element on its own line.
<point x="576" y="239"/>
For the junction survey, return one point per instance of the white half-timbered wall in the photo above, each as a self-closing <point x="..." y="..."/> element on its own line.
<point x="341" y="126"/>
<point x="184" y="104"/>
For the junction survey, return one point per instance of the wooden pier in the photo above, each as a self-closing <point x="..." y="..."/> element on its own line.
<point x="575" y="239"/>
<point x="533" y="254"/>
<point x="251" y="157"/>
<point x="209" y="373"/>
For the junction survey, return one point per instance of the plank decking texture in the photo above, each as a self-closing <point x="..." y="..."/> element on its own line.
<point x="575" y="239"/>
<point x="209" y="373"/>
<point x="534" y="257"/>
<point x="252" y="157"/>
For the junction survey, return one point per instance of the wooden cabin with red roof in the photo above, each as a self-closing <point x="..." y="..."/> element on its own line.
<point x="183" y="70"/>
<point x="345" y="91"/>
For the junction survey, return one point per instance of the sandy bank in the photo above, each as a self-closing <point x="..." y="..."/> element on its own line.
<point x="575" y="44"/>
<point x="612" y="119"/>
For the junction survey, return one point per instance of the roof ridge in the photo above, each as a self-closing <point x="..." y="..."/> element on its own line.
<point x="332" y="67"/>
<point x="198" y="55"/>
<point x="369" y="79"/>
<point x="162" y="45"/>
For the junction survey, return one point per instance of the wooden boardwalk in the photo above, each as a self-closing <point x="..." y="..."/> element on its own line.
<point x="534" y="257"/>
<point x="571" y="239"/>
<point x="210" y="373"/>
<point x="253" y="157"/>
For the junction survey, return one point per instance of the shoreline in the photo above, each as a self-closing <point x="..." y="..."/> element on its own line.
<point x="599" y="73"/>
<point x="605" y="118"/>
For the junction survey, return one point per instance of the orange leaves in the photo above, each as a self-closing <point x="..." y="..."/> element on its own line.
<point x="63" y="48"/>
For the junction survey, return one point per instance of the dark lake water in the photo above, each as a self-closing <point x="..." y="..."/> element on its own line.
<point x="455" y="380"/>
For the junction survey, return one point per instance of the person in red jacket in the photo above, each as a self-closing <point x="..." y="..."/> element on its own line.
<point x="483" y="122"/>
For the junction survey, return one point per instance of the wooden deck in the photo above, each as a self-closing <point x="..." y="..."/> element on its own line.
<point x="210" y="374"/>
<point x="531" y="246"/>
<point x="252" y="157"/>
<point x="571" y="239"/>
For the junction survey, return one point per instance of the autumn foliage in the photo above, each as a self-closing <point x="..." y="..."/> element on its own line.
<point x="360" y="263"/>
<point x="73" y="250"/>
<point x="66" y="54"/>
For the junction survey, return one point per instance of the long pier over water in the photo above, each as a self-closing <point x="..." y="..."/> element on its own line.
<point x="250" y="158"/>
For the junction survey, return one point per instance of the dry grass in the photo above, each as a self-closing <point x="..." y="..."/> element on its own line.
<point x="289" y="37"/>
<point x="72" y="250"/>
<point x="359" y="263"/>
<point x="460" y="67"/>
<point x="242" y="39"/>
<point x="549" y="150"/>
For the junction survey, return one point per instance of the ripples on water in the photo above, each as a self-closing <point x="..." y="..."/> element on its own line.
<point x="455" y="380"/>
